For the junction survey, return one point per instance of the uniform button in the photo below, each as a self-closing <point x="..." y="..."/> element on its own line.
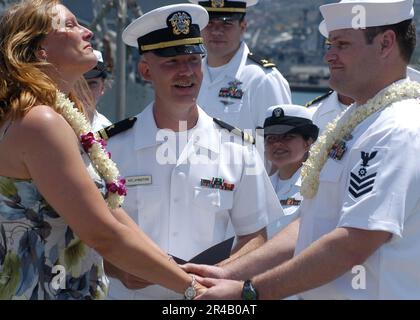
<point x="176" y="200"/>
<point x="175" y="234"/>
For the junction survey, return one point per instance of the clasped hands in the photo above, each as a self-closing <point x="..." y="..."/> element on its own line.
<point x="211" y="282"/>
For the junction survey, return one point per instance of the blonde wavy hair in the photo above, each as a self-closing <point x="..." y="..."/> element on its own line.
<point x="23" y="83"/>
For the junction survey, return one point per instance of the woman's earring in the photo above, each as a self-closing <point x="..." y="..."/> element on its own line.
<point x="42" y="54"/>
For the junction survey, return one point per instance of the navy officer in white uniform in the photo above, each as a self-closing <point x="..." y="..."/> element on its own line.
<point x="360" y="217"/>
<point x="237" y="86"/>
<point x="187" y="175"/>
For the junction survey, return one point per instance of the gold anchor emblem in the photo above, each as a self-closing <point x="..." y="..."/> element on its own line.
<point x="180" y="22"/>
<point x="217" y="3"/>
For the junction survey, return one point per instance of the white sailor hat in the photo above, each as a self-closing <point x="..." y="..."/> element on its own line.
<point x="360" y="14"/>
<point x="99" y="70"/>
<point x="226" y="9"/>
<point x="169" y="31"/>
<point x="288" y="118"/>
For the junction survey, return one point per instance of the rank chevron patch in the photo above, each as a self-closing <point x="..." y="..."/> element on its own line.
<point x="360" y="186"/>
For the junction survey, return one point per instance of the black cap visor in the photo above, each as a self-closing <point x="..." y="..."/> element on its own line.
<point x="180" y="50"/>
<point x="98" y="72"/>
<point x="226" y="16"/>
<point x="277" y="129"/>
<point x="308" y="130"/>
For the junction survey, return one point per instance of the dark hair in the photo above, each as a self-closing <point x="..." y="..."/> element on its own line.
<point x="405" y="32"/>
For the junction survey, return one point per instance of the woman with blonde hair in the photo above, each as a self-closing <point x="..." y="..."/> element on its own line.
<point x="60" y="193"/>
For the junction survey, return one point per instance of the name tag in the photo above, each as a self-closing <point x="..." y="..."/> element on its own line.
<point x="138" y="181"/>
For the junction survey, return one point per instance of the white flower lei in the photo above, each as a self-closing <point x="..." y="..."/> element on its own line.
<point x="97" y="154"/>
<point x="338" y="129"/>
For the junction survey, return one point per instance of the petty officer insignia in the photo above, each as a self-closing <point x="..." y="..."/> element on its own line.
<point x="116" y="128"/>
<point x="362" y="182"/>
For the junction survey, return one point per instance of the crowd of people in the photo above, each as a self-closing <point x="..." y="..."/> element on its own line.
<point x="220" y="188"/>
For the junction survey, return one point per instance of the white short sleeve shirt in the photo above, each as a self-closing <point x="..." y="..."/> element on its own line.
<point x="375" y="186"/>
<point x="167" y="199"/>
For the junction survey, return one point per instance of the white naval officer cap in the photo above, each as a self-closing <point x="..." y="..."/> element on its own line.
<point x="226" y="9"/>
<point x="168" y="31"/>
<point x="361" y="14"/>
<point x="288" y="118"/>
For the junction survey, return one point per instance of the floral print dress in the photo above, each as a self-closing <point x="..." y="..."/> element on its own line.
<point x="40" y="256"/>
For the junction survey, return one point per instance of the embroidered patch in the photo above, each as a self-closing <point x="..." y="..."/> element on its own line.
<point x="362" y="182"/>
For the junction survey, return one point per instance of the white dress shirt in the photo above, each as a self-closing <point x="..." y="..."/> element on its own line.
<point x="168" y="201"/>
<point x="375" y="186"/>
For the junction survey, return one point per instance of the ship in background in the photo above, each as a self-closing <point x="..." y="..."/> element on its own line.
<point x="284" y="31"/>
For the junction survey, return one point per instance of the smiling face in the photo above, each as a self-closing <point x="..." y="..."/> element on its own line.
<point x="222" y="39"/>
<point x="352" y="62"/>
<point x="287" y="151"/>
<point x="176" y="79"/>
<point x="67" y="47"/>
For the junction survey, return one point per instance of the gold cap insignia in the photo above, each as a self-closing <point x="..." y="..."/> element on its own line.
<point x="180" y="22"/>
<point x="217" y="3"/>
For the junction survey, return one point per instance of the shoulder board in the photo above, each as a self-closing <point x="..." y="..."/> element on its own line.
<point x="262" y="62"/>
<point x="236" y="131"/>
<point x="117" y="128"/>
<point x="318" y="99"/>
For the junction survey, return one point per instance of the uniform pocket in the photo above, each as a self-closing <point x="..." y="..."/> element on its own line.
<point x="213" y="199"/>
<point x="144" y="205"/>
<point x="330" y="189"/>
<point x="235" y="106"/>
<point x="211" y="208"/>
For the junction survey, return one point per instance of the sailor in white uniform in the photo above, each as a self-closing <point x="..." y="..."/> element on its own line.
<point x="237" y="86"/>
<point x="288" y="135"/>
<point x="359" y="229"/>
<point x="187" y="175"/>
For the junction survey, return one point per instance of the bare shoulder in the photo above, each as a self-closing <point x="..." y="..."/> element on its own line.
<point x="42" y="127"/>
<point x="38" y="132"/>
<point x="42" y="118"/>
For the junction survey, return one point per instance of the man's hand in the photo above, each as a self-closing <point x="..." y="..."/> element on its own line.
<point x="220" y="289"/>
<point x="204" y="270"/>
